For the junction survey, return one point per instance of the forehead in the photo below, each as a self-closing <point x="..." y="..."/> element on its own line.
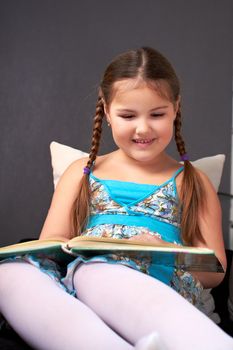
<point x="127" y="89"/>
<point x="124" y="87"/>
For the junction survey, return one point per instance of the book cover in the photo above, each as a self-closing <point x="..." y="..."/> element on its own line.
<point x="182" y="257"/>
<point x="51" y="248"/>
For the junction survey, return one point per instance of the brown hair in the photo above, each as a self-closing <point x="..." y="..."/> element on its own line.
<point x="152" y="67"/>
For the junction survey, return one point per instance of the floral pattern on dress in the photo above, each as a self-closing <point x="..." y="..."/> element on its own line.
<point x="101" y="200"/>
<point x="122" y="231"/>
<point x="118" y="231"/>
<point x="140" y="264"/>
<point x="187" y="286"/>
<point x="162" y="204"/>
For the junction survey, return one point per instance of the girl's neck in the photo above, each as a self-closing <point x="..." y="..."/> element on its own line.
<point x="159" y="164"/>
<point x="117" y="167"/>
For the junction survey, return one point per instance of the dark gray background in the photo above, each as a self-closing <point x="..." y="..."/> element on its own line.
<point x="52" y="55"/>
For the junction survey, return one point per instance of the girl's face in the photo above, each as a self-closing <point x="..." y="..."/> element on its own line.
<point x="141" y="120"/>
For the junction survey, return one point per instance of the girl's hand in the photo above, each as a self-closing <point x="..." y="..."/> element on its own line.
<point x="146" y="237"/>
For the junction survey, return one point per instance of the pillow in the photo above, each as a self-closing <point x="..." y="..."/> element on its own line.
<point x="212" y="167"/>
<point x="62" y="156"/>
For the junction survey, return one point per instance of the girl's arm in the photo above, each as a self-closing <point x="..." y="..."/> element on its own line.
<point x="210" y="223"/>
<point x="58" y="220"/>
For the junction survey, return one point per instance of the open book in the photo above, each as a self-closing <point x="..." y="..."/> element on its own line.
<point x="187" y="258"/>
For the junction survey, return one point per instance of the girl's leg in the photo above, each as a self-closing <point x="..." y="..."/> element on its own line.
<point x="48" y="318"/>
<point x="135" y="305"/>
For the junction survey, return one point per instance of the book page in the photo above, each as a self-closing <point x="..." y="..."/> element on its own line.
<point x="30" y="245"/>
<point x="181" y="257"/>
<point x="87" y="242"/>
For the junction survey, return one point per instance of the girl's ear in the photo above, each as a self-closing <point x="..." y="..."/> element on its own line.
<point x="177" y="104"/>
<point x="105" y="108"/>
<point x="106" y="112"/>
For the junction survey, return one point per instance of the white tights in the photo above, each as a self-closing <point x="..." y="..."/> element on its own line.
<point x="117" y="306"/>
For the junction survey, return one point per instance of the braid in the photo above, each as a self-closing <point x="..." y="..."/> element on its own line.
<point x="80" y="210"/>
<point x="192" y="191"/>
<point x="97" y="130"/>
<point x="178" y="138"/>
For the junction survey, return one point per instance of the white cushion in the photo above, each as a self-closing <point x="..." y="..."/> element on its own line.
<point x="62" y="156"/>
<point x="212" y="167"/>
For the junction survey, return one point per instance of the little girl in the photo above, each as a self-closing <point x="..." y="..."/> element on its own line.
<point x="136" y="192"/>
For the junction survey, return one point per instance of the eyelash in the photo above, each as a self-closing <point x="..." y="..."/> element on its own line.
<point x="131" y="116"/>
<point x="158" y="115"/>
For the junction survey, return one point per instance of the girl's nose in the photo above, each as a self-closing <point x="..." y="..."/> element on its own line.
<point x="142" y="127"/>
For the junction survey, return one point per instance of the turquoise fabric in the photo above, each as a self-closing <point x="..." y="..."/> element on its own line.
<point x="126" y="193"/>
<point x="169" y="232"/>
<point x="126" y="209"/>
<point x="131" y="206"/>
<point x="155" y="207"/>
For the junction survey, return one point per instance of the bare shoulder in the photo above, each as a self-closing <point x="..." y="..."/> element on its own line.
<point x="77" y="165"/>
<point x="69" y="183"/>
<point x="211" y="197"/>
<point x="74" y="172"/>
<point x="58" y="220"/>
<point x="207" y="183"/>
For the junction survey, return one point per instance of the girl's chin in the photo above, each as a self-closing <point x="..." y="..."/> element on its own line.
<point x="144" y="158"/>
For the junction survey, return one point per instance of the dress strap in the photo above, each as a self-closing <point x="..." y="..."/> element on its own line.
<point x="174" y="177"/>
<point x="177" y="172"/>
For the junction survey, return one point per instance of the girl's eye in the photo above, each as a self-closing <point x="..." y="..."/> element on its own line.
<point x="157" y="114"/>
<point x="128" y="116"/>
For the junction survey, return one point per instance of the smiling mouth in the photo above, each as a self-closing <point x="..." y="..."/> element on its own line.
<point x="143" y="141"/>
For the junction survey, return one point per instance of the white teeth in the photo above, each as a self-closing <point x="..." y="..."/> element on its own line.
<point x="143" y="141"/>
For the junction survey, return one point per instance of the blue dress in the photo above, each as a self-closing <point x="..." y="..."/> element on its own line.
<point x="125" y="209"/>
<point x="122" y="210"/>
